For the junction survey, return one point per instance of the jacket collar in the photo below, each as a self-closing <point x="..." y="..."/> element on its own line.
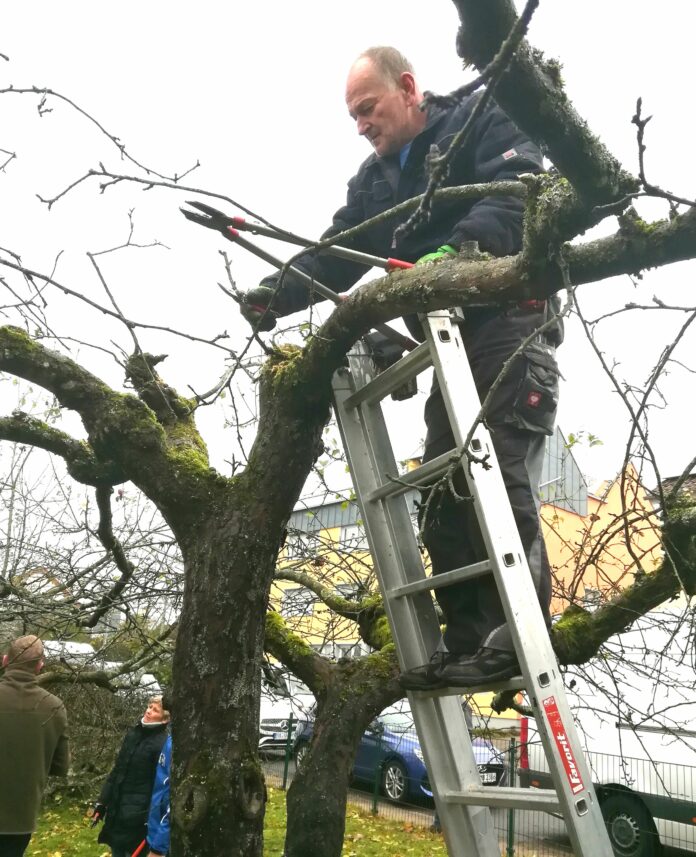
<point x="151" y="728"/>
<point x="20" y="677"/>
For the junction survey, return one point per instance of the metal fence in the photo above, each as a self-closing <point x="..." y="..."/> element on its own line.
<point x="639" y="796"/>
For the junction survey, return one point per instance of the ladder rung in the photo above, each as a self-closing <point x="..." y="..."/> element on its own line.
<point x="392" y="378"/>
<point x="514" y="683"/>
<point x="423" y="475"/>
<point x="437" y="581"/>
<point x="500" y="796"/>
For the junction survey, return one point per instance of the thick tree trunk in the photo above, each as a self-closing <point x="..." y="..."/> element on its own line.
<point x="318" y="794"/>
<point x="230" y="535"/>
<point x="218" y="784"/>
<point x="316" y="801"/>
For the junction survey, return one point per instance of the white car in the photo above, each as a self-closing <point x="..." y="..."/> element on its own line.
<point x="282" y="697"/>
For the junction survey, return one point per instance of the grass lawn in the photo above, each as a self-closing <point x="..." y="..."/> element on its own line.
<point x="64" y="832"/>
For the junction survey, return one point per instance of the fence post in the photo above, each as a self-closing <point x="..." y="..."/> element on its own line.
<point x="288" y="751"/>
<point x="378" y="776"/>
<point x="511" y="812"/>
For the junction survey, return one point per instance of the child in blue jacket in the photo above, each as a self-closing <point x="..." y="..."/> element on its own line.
<point x="158" y="820"/>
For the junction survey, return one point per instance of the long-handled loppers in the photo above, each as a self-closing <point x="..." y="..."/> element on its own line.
<point x="230" y="227"/>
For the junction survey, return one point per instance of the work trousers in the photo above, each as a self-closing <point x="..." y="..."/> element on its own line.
<point x="473" y="610"/>
<point x="520" y="418"/>
<point x="13" y="844"/>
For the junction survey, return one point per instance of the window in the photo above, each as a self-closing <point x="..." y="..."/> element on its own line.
<point x="298" y="545"/>
<point x="297" y="601"/>
<point x="348" y="590"/>
<point x="353" y="537"/>
<point x="592" y="597"/>
<point x="348" y="650"/>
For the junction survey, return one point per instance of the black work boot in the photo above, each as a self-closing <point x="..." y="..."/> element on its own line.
<point x="487" y="665"/>
<point x="427" y="676"/>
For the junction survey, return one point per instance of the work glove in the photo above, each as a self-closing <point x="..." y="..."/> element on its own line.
<point x="440" y="253"/>
<point x="253" y="307"/>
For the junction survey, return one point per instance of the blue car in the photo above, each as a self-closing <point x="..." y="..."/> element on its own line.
<point x="389" y="748"/>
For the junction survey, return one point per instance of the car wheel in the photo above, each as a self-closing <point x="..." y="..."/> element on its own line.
<point x="630" y="826"/>
<point x="394" y="780"/>
<point x="301" y="754"/>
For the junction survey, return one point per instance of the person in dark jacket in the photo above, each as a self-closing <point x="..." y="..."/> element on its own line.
<point x="384" y="99"/>
<point x="124" y="801"/>
<point x="33" y="743"/>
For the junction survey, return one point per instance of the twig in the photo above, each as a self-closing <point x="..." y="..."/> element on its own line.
<point x="135" y="324"/>
<point x="44" y="93"/>
<point x="651" y="189"/>
<point x="439" y="164"/>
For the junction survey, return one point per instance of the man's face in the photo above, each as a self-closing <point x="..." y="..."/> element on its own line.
<point x="382" y="112"/>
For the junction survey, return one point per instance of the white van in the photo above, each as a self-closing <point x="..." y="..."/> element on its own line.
<point x="635" y="709"/>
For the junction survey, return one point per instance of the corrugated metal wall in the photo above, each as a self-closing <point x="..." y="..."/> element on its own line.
<point x="562" y="484"/>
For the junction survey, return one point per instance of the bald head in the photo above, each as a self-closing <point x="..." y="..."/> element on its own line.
<point x="383" y="98"/>
<point x="389" y="63"/>
<point x="25" y="653"/>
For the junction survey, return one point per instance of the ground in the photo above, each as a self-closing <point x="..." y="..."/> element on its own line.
<point x="64" y="832"/>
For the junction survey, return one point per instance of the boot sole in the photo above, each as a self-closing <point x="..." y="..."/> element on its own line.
<point x="500" y="675"/>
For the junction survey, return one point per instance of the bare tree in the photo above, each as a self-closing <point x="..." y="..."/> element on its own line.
<point x="229" y="528"/>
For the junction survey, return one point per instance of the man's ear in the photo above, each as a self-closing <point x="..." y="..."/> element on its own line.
<point x="408" y="83"/>
<point x="5" y="659"/>
<point x="39" y="666"/>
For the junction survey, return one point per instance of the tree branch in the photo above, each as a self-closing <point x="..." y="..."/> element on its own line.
<point x="172" y="470"/>
<point x="578" y="635"/>
<point x="82" y="463"/>
<point x="296" y="654"/>
<point x="113" y="546"/>
<point x="531" y="92"/>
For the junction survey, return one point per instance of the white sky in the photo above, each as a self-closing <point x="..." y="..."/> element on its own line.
<point x="255" y="92"/>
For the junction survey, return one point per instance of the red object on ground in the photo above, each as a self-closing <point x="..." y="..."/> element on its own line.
<point x="140" y="848"/>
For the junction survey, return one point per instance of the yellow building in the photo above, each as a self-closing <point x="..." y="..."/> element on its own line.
<point x="598" y="540"/>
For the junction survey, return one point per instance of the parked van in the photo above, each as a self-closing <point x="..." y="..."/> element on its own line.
<point x="633" y="709"/>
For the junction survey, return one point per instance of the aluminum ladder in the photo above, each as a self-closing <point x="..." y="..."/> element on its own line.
<point x="463" y="803"/>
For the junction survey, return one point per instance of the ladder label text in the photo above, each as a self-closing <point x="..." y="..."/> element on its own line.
<point x="565" y="751"/>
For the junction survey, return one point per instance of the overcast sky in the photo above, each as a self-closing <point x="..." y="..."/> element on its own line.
<point x="255" y="93"/>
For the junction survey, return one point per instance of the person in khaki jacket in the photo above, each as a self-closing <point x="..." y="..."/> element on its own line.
<point x="33" y="743"/>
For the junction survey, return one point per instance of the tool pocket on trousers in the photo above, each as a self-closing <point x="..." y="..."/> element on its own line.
<point x="536" y="399"/>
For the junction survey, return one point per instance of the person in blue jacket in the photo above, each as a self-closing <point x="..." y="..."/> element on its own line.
<point x="158" y="820"/>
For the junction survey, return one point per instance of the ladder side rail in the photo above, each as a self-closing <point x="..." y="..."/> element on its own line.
<point x="449" y="757"/>
<point x="413" y="621"/>
<point x="514" y="582"/>
<point x="440" y="722"/>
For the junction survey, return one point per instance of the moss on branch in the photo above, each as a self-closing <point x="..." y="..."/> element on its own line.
<point x="531" y="92"/>
<point x="297" y="654"/>
<point x="81" y="461"/>
<point x="172" y="469"/>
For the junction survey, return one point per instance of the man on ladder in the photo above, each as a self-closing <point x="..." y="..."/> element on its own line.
<point x="383" y="98"/>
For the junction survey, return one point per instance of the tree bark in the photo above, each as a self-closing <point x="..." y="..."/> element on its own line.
<point x="357" y="692"/>
<point x="217" y="779"/>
